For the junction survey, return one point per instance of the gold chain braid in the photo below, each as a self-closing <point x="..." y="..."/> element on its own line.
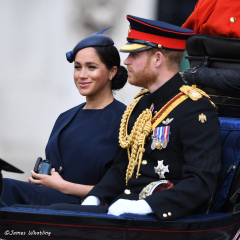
<point x="205" y="95"/>
<point x="141" y="93"/>
<point x="136" y="139"/>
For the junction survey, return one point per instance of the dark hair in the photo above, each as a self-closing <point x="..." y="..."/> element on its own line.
<point x="110" y="57"/>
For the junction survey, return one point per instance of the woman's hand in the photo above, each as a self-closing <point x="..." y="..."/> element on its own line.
<point x="28" y="179"/>
<point x="54" y="180"/>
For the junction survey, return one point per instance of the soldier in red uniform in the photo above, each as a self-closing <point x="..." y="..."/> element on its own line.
<point x="215" y="17"/>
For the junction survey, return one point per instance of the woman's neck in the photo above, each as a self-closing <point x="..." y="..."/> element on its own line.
<point x="98" y="101"/>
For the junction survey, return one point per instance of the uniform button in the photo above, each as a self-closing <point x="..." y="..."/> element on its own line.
<point x="159" y="46"/>
<point x="144" y="162"/>
<point x="165" y="215"/>
<point x="169" y="214"/>
<point x="149" y="138"/>
<point x="233" y="19"/>
<point x="139" y="174"/>
<point x="155" y="112"/>
<point x="60" y="169"/>
<point x="127" y="191"/>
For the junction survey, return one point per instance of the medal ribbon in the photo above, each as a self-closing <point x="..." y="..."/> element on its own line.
<point x="152" y="108"/>
<point x="154" y="133"/>
<point x="161" y="134"/>
<point x="158" y="134"/>
<point x="166" y="133"/>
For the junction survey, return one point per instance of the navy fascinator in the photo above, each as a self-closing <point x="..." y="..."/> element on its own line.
<point x="96" y="40"/>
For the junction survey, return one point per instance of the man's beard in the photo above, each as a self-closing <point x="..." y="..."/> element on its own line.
<point x="143" y="78"/>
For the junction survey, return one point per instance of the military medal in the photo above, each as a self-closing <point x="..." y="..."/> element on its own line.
<point x="161" y="169"/>
<point x="154" y="140"/>
<point x="159" y="145"/>
<point x="160" y="137"/>
<point x="154" y="135"/>
<point x="165" y="136"/>
<point x="164" y="143"/>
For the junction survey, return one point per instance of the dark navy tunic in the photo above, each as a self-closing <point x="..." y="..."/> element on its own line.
<point x="193" y="157"/>
<point x="81" y="148"/>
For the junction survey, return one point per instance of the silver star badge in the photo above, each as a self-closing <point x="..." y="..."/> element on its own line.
<point x="161" y="169"/>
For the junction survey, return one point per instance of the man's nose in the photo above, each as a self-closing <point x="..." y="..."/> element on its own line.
<point x="127" y="60"/>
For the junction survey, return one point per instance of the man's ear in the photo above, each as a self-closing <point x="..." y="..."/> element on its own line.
<point x="159" y="58"/>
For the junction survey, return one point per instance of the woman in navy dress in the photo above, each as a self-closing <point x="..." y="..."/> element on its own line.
<point x="83" y="141"/>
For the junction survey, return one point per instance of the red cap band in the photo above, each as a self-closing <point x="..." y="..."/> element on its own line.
<point x="166" y="42"/>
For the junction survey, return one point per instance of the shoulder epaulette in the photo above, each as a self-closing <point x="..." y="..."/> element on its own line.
<point x="191" y="92"/>
<point x="195" y="93"/>
<point x="145" y="91"/>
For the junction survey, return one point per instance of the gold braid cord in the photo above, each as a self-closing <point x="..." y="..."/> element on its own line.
<point x="141" y="93"/>
<point x="205" y="95"/>
<point x="136" y="139"/>
<point x="143" y="126"/>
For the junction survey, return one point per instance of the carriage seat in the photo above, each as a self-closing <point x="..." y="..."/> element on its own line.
<point x="226" y="194"/>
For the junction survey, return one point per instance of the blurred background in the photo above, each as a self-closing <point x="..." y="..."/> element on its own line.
<point x="36" y="81"/>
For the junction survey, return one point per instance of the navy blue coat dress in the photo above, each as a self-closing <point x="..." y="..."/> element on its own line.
<point x="81" y="148"/>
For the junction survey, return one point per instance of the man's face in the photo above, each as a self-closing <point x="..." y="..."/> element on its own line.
<point x="140" y="71"/>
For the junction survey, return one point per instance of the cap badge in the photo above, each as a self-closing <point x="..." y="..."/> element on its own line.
<point x="202" y="118"/>
<point x="161" y="169"/>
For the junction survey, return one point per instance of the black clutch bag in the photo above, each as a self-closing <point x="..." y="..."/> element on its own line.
<point x="43" y="166"/>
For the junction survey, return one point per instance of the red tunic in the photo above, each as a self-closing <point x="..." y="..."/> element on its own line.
<point x="215" y="17"/>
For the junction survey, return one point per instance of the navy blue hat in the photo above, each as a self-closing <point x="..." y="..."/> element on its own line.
<point x="96" y="40"/>
<point x="144" y="34"/>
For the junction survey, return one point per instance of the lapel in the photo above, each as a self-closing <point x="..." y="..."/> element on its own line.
<point x="56" y="138"/>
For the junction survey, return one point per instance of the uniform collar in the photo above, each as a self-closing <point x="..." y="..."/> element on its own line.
<point x="166" y="90"/>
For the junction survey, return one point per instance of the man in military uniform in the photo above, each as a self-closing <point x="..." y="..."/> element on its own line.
<point x="169" y="154"/>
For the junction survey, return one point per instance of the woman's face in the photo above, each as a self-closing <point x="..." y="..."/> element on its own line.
<point x="90" y="74"/>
